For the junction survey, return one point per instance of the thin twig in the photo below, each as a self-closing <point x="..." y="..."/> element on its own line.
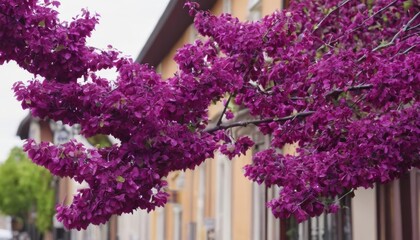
<point x="382" y="46"/>
<point x="405" y="51"/>
<point x="407" y="26"/>
<point x="334" y="10"/>
<point x="364" y="21"/>
<point x="354" y="88"/>
<point x="259" y="121"/>
<point x="413" y="27"/>
<point x="379" y="11"/>
<point x="269" y="29"/>
<point x="404" y="29"/>
<point x="408" y="49"/>
<point x="298" y="98"/>
<point x="362" y="97"/>
<point x="410" y="35"/>
<point x="224" y="111"/>
<point x="344" y="195"/>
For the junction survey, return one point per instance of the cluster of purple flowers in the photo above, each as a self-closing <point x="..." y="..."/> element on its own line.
<point x="340" y="78"/>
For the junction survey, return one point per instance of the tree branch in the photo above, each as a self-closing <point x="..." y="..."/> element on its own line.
<point x="404" y="29"/>
<point x="410" y="35"/>
<point x="334" y="10"/>
<point x="407" y="26"/>
<point x="256" y="122"/>
<point x="364" y="21"/>
<point x="382" y="46"/>
<point x="354" y="88"/>
<point x="379" y="11"/>
<point x="224" y="111"/>
<point x="405" y="51"/>
<point x="413" y="27"/>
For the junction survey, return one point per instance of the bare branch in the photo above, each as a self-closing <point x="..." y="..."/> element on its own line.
<point x="298" y="98"/>
<point x="364" y="21"/>
<point x="405" y="51"/>
<point x="354" y="88"/>
<point x="260" y="121"/>
<point x="413" y="27"/>
<point x="410" y="35"/>
<point x="404" y="29"/>
<point x="408" y="49"/>
<point x="382" y="46"/>
<point x="407" y="26"/>
<point x="334" y="10"/>
<point x="344" y="195"/>
<point x="264" y="38"/>
<point x="379" y="11"/>
<point x="224" y="111"/>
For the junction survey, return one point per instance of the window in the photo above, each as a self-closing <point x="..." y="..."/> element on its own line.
<point x="177" y="212"/>
<point x="253" y="3"/>
<point x="227" y="6"/>
<point x="254" y="7"/>
<point x="398" y="208"/>
<point x="224" y="198"/>
<point x="265" y="225"/>
<point x="325" y="227"/>
<point x="160" y="212"/>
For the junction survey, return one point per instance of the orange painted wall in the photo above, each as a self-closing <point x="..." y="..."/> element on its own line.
<point x="188" y="194"/>
<point x="240" y="9"/>
<point x="269" y="6"/>
<point x="241" y="199"/>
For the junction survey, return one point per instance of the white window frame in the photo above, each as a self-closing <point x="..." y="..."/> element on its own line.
<point x="255" y="12"/>
<point x="227" y="6"/>
<point x="224" y="198"/>
<point x="253" y="3"/>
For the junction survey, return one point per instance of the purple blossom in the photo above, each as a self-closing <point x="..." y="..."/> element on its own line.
<point x="344" y="86"/>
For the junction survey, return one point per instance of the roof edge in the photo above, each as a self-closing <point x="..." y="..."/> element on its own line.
<point x="169" y="29"/>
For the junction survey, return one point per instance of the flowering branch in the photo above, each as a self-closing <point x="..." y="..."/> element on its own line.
<point x="407" y="26"/>
<point x="404" y="29"/>
<point x="367" y="19"/>
<point x="224" y="111"/>
<point x="365" y="138"/>
<point x="329" y="13"/>
<point x="353" y="88"/>
<point x="257" y="122"/>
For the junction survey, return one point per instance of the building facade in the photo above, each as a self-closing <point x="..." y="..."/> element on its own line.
<point x="215" y="201"/>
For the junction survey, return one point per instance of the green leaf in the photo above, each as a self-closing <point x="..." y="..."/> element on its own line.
<point x="407" y="4"/>
<point x="191" y="127"/>
<point x="120" y="179"/>
<point x="41" y="23"/>
<point x="59" y="48"/>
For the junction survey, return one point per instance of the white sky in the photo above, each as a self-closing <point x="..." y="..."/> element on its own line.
<point x="125" y="24"/>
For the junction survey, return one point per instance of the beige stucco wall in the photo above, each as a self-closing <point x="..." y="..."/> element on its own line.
<point x="363" y="208"/>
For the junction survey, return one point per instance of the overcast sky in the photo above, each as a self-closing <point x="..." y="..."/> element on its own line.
<point x="125" y="24"/>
